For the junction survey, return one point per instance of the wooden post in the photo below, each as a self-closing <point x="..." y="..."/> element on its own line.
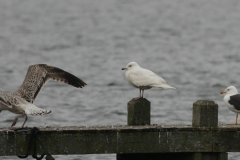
<point x="205" y="114"/>
<point x="139" y="112"/>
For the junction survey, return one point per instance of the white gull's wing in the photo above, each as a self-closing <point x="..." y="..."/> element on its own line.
<point x="145" y="77"/>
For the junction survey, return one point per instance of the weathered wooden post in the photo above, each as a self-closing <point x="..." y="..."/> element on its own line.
<point x="138" y="114"/>
<point x="205" y="114"/>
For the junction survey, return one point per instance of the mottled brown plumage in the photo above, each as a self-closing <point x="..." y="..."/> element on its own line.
<point x="21" y="101"/>
<point x="39" y="74"/>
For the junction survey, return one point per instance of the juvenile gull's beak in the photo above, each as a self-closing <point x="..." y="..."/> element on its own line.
<point x="124" y="68"/>
<point x="223" y="92"/>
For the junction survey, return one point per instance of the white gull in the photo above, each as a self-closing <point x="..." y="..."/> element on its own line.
<point x="143" y="78"/>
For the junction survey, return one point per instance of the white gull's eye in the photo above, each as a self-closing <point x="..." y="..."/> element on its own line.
<point x="130" y="65"/>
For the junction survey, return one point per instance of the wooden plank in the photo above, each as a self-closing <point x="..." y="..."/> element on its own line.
<point x="226" y="141"/>
<point x="162" y="141"/>
<point x="122" y="139"/>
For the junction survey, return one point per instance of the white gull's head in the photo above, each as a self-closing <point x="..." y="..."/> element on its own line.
<point x="230" y="90"/>
<point x="131" y="66"/>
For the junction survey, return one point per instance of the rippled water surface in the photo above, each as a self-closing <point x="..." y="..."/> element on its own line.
<point x="194" y="45"/>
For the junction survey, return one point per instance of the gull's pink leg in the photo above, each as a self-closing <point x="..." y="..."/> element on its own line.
<point x="142" y="93"/>
<point x="26" y="118"/>
<point x="236" y="120"/>
<point x="16" y="119"/>
<point x="139" y="95"/>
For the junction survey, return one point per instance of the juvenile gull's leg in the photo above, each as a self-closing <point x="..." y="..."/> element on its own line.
<point x="26" y="118"/>
<point x="16" y="119"/>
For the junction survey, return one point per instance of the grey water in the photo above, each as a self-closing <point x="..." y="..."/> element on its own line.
<point x="193" y="45"/>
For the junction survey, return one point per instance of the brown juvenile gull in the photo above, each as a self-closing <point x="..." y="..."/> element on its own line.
<point x="143" y="78"/>
<point x="21" y="101"/>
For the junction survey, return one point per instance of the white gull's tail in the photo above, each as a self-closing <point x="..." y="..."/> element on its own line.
<point x="164" y="86"/>
<point x="31" y="109"/>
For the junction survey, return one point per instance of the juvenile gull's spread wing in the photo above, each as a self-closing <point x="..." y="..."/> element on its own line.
<point x="38" y="75"/>
<point x="3" y="102"/>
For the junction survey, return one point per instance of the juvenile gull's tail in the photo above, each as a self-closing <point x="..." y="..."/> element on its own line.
<point x="31" y="109"/>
